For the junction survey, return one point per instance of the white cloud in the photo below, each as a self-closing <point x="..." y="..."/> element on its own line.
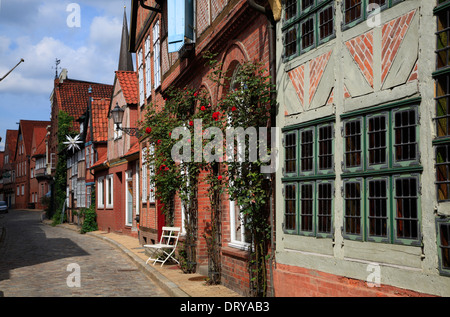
<point x="37" y="32"/>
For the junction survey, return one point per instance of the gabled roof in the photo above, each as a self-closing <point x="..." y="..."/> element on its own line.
<point x="39" y="141"/>
<point x="133" y="150"/>
<point x="40" y="149"/>
<point x="129" y="84"/>
<point x="26" y="128"/>
<point x="72" y="96"/>
<point x="10" y="142"/>
<point x="102" y="162"/>
<point x="100" y="107"/>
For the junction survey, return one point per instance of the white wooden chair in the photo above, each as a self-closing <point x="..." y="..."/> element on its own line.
<point x="165" y="249"/>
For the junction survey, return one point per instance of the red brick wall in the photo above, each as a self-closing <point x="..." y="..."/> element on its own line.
<point x="293" y="281"/>
<point x="238" y="34"/>
<point x="113" y="219"/>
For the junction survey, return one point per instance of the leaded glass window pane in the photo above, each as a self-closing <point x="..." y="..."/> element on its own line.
<point x="407" y="218"/>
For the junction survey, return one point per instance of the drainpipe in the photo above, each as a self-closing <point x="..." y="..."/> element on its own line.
<point x="271" y="27"/>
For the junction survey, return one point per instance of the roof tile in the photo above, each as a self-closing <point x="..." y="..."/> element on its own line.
<point x="129" y="83"/>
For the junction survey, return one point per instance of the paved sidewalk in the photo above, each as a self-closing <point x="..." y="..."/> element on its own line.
<point x="169" y="277"/>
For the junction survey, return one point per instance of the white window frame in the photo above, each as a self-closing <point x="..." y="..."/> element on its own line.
<point x="100" y="192"/>
<point x="151" y="186"/>
<point x="109" y="191"/>
<point x="234" y="242"/>
<point x="144" y="176"/>
<point x="148" y="69"/>
<point x="117" y="131"/>
<point x="87" y="158"/>
<point x="141" y="78"/>
<point x="128" y="217"/>
<point x="137" y="188"/>
<point x="156" y="55"/>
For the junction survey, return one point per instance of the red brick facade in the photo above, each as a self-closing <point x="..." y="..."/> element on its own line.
<point x="237" y="33"/>
<point x="301" y="282"/>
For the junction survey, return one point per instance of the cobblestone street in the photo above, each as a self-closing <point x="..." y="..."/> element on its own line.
<point x="34" y="261"/>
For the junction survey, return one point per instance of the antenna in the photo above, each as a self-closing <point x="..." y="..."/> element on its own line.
<point x="57" y="62"/>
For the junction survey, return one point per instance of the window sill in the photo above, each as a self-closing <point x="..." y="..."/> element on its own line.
<point x="235" y="253"/>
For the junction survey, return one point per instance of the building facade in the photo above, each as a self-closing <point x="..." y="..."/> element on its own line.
<point x="237" y="33"/>
<point x="39" y="179"/>
<point x="362" y="190"/>
<point x="9" y="168"/>
<point x="117" y="171"/>
<point x="24" y="193"/>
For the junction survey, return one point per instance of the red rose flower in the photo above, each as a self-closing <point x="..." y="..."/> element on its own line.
<point x="191" y="123"/>
<point x="195" y="94"/>
<point x="233" y="108"/>
<point x="215" y="115"/>
<point x="219" y="177"/>
<point x="148" y="130"/>
<point x="203" y="108"/>
<point x="158" y="142"/>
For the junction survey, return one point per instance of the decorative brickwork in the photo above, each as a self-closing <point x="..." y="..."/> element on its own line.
<point x="415" y="74"/>
<point x="393" y="34"/>
<point x="361" y="49"/>
<point x="316" y="69"/>
<point x="217" y="7"/>
<point x="297" y="77"/>
<point x="203" y="15"/>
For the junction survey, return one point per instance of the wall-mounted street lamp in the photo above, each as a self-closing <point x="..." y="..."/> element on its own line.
<point x="117" y="114"/>
<point x="141" y="2"/>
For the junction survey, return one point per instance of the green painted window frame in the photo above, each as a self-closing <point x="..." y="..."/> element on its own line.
<point x="314" y="205"/>
<point x="296" y="151"/>
<point x="388" y="198"/>
<point x="410" y="162"/>
<point x="302" y="145"/>
<point x="299" y="18"/>
<point x="325" y="171"/>
<point x="296" y="207"/>
<point x="439" y="163"/>
<point x="390" y="172"/>
<point x="314" y="177"/>
<point x="362" y="201"/>
<point x="301" y="203"/>
<point x="364" y="12"/>
<point x="440" y="223"/>
<point x="387" y="147"/>
<point x="362" y="140"/>
<point x="391" y="236"/>
<point x="391" y="164"/>
<point x="329" y="234"/>
<point x="395" y="211"/>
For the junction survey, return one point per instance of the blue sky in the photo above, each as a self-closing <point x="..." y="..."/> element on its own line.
<point x="38" y="32"/>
